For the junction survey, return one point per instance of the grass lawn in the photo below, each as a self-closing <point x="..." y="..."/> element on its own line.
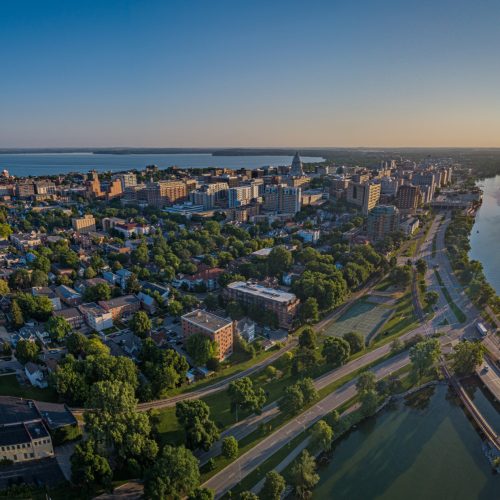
<point x="9" y="386"/>
<point x="363" y="316"/>
<point x="403" y="320"/>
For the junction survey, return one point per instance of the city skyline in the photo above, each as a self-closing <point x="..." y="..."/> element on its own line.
<point x="192" y="74"/>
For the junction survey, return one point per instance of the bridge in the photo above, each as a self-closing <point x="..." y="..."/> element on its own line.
<point x="476" y="415"/>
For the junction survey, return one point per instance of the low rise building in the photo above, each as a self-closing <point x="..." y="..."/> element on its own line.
<point x="73" y="316"/>
<point x="283" y="304"/>
<point x="84" y="224"/>
<point x="96" y="317"/>
<point x="121" y="307"/>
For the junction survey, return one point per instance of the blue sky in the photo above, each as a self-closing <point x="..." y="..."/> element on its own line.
<point x="249" y="73"/>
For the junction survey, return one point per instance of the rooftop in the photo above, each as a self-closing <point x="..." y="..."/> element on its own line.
<point x="262" y="291"/>
<point x="206" y="320"/>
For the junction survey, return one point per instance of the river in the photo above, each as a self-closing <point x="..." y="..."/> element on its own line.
<point x="485" y="236"/>
<point x="61" y="163"/>
<point x="421" y="449"/>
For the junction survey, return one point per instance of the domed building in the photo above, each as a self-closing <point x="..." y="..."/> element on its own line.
<point x="296" y="170"/>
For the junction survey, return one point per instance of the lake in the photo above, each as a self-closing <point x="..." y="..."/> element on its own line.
<point x="61" y="163"/>
<point x="423" y="449"/>
<point x="485" y="236"/>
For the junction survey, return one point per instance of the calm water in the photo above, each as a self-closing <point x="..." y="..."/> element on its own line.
<point x="426" y="451"/>
<point x="49" y="164"/>
<point x="486" y="243"/>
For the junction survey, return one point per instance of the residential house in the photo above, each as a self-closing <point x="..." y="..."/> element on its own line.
<point x="73" y="316"/>
<point x="68" y="295"/>
<point x="45" y="291"/>
<point x="35" y="375"/>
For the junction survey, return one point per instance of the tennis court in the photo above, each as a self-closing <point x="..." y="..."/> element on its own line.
<point x="363" y="316"/>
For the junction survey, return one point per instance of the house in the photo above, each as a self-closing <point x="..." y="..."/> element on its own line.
<point x="309" y="235"/>
<point x="124" y="343"/>
<point x="147" y="302"/>
<point x="26" y="241"/>
<point x="110" y="277"/>
<point x="121" y="307"/>
<point x="131" y="228"/>
<point x="154" y="287"/>
<point x="30" y="332"/>
<point x="206" y="277"/>
<point x="45" y="291"/>
<point x="96" y="316"/>
<point x="68" y="295"/>
<point x="35" y="375"/>
<point x="245" y="328"/>
<point x="123" y="277"/>
<point x="73" y="316"/>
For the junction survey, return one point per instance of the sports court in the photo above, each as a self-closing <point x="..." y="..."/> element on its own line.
<point x="364" y="317"/>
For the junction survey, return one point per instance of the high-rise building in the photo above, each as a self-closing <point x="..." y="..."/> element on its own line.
<point x="297" y="169"/>
<point x="83" y="224"/>
<point x="282" y="199"/>
<point x="115" y="189"/>
<point x="365" y="195"/>
<point x="164" y="193"/>
<point x="239" y="196"/>
<point x="382" y="220"/>
<point x="25" y="189"/>
<point x="408" y="198"/>
<point x="128" y="179"/>
<point x="94" y="189"/>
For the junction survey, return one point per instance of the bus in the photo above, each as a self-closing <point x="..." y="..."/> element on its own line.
<point x="481" y="329"/>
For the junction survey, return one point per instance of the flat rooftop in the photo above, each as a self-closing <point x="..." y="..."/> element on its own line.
<point x="206" y="320"/>
<point x="262" y="291"/>
<point x="16" y="410"/>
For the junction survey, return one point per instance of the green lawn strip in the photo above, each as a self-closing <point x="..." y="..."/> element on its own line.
<point x="456" y="310"/>
<point x="225" y="372"/>
<point x="9" y="386"/>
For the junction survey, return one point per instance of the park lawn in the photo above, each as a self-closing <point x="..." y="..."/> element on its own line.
<point x="403" y="320"/>
<point x="9" y="386"/>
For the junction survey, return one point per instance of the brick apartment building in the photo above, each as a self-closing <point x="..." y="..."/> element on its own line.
<point x="218" y="329"/>
<point x="283" y="304"/>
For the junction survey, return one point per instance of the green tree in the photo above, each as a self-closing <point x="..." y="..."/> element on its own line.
<point x="431" y="297"/>
<point x="90" y="273"/>
<point x="356" y="341"/>
<point x="20" y="279"/>
<point x="274" y="486"/>
<point x="421" y="266"/>
<point x="248" y="495"/>
<point x="211" y="302"/>
<point x="27" y="351"/>
<point x="424" y="355"/>
<point x="467" y="356"/>
<point x="201" y="348"/>
<point x="401" y="275"/>
<point x="322" y="435"/>
<point x="89" y="469"/>
<point x="42" y="263"/>
<point x="370" y="401"/>
<point x="140" y="324"/>
<point x="336" y="350"/>
<point x="174" y="308"/>
<point x="280" y="259"/>
<point x="303" y="475"/>
<point x="4" y="287"/>
<point x="76" y="344"/>
<point x="16" y="315"/>
<point x="292" y="401"/>
<point x="58" y="328"/>
<point x="39" y="278"/>
<point x="94" y="293"/>
<point x="309" y="311"/>
<point x="307" y="338"/>
<point x="304" y="361"/>
<point x="366" y="382"/>
<point x="230" y="447"/>
<point x="202" y="494"/>
<point x="5" y="230"/>
<point x="174" y="475"/>
<point x="194" y="416"/>
<point x="306" y="385"/>
<point x="243" y="395"/>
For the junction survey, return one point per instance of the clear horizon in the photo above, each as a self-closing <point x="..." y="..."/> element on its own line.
<point x="190" y="74"/>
